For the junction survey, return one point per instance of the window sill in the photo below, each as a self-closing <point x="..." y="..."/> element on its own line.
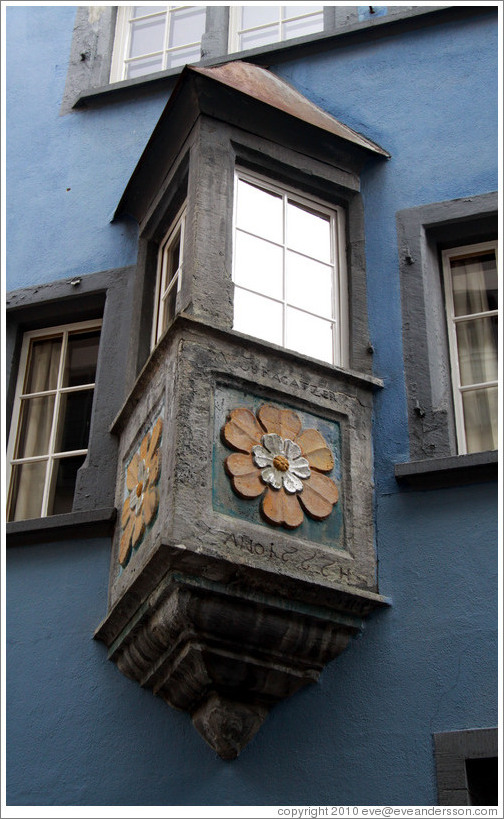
<point x="443" y="472"/>
<point x="93" y="523"/>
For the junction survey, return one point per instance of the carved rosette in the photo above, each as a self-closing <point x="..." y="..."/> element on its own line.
<point x="279" y="461"/>
<point x="141" y="500"/>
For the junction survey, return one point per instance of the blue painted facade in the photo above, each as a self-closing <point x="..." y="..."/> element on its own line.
<point x="78" y="732"/>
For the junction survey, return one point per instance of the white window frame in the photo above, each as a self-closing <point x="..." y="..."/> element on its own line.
<point x="452" y="321"/>
<point x="339" y="317"/>
<point x="52" y="455"/>
<point x="122" y="41"/>
<point x="235" y="30"/>
<point x="163" y="290"/>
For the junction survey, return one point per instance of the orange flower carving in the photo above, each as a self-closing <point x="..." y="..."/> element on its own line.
<point x="277" y="460"/>
<point x="142" y="496"/>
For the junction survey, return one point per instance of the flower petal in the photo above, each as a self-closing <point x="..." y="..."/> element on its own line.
<point x="292" y="450"/>
<point x="273" y="443"/>
<point x="242" y="431"/>
<point x="291" y="483"/>
<point x="151" y="503"/>
<point x="138" y="530"/>
<point x="284" y="422"/>
<point x="261" y="457"/>
<point x="246" y="478"/>
<point x="280" y="508"/>
<point x="126" y="512"/>
<point x="300" y="467"/>
<point x="154" y="469"/>
<point x="132" y="472"/>
<point x="125" y="543"/>
<point x="319" y="495"/>
<point x="155" y="440"/>
<point x="144" y="446"/>
<point x="272" y="476"/>
<point x="316" y="450"/>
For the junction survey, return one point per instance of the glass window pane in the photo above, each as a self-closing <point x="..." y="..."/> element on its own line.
<point x="474" y="284"/>
<point x="27" y="489"/>
<point x="258" y="265"/>
<point x="480" y="419"/>
<point x="35" y="424"/>
<point x="183" y="56"/>
<point x="308" y="232"/>
<point x="309" y="284"/>
<point x="75" y="420"/>
<point x="187" y="25"/>
<point x="169" y="306"/>
<point x="146" y="66"/>
<point x="171" y="259"/>
<point x="259" y="211"/>
<point x="259" y="15"/>
<point x="65" y="477"/>
<point x="44" y="365"/>
<point x="82" y="355"/>
<point x="147" y="36"/>
<point x="309" y="335"/>
<point x="300" y="28"/>
<point x="257" y="316"/>
<point x="477" y="350"/>
<point x="294" y="11"/>
<point x="140" y="11"/>
<point x="261" y="37"/>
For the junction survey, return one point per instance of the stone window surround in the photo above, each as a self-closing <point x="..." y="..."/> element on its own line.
<point x="88" y="76"/>
<point x="451" y="749"/>
<point x="422" y="233"/>
<point x="107" y="296"/>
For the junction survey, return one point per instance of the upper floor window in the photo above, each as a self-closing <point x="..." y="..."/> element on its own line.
<point x="261" y="24"/>
<point x="169" y="277"/>
<point x="155" y="38"/>
<point x="51" y="419"/>
<point x="289" y="270"/>
<point x="470" y="277"/>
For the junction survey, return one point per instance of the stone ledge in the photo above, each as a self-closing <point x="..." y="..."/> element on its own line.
<point x="433" y="473"/>
<point x="92" y="523"/>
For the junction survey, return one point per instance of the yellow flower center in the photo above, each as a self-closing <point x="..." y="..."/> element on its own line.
<point x="139" y="489"/>
<point x="281" y="463"/>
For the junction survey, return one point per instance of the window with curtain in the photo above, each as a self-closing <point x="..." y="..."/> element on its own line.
<point x="261" y="24"/>
<point x="470" y="278"/>
<point x="51" y="420"/>
<point x="155" y="38"/>
<point x="289" y="270"/>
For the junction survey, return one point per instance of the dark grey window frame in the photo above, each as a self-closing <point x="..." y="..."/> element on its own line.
<point x="107" y="295"/>
<point x="422" y="233"/>
<point x="451" y="749"/>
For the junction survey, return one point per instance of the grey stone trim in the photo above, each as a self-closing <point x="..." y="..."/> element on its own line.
<point x="107" y="295"/>
<point x="455" y="471"/>
<point x="343" y="29"/>
<point x="451" y="750"/>
<point x="214" y="42"/>
<point x="91" y="52"/>
<point x="95" y="523"/>
<point x="422" y="232"/>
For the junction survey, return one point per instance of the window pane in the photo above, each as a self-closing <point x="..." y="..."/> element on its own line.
<point x="300" y="28"/>
<point x="140" y="11"/>
<point x="259" y="211"/>
<point x="308" y="232"/>
<point x="183" y="56"/>
<point x="44" y="365"/>
<point x="146" y="66"/>
<point x="147" y="36"/>
<point x="477" y="350"/>
<point x="65" y="479"/>
<point x="474" y="284"/>
<point x="169" y="305"/>
<point x="27" y="490"/>
<point x="258" y="265"/>
<point x="187" y="25"/>
<point x="75" y="416"/>
<point x="309" y="284"/>
<point x="309" y="335"/>
<point x="256" y="39"/>
<point x="480" y="419"/>
<point x="257" y="316"/>
<point x="35" y="426"/>
<point x="294" y="11"/>
<point x="259" y="15"/>
<point x="172" y="259"/>
<point x="81" y="360"/>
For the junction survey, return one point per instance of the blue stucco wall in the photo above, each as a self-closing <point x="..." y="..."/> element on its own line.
<point x="79" y="733"/>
